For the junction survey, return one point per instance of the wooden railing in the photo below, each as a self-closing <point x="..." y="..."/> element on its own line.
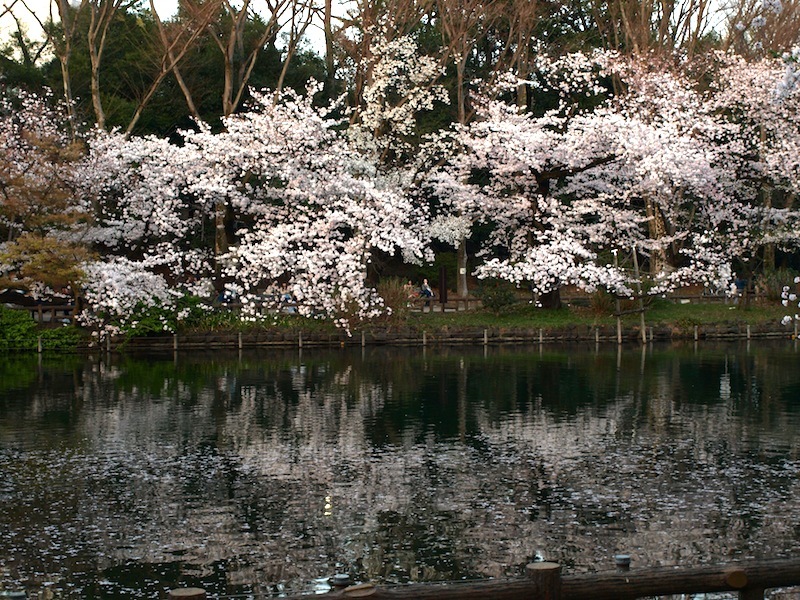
<point x="453" y="303"/>
<point x="544" y="581"/>
<point x="49" y="313"/>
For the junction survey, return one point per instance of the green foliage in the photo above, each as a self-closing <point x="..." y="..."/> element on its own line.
<point x="497" y="295"/>
<point x="770" y="284"/>
<point x="189" y="313"/>
<point x="394" y="292"/>
<point x="601" y="303"/>
<point x="148" y="320"/>
<point x="45" y="259"/>
<point x="18" y="331"/>
<point x="61" y="338"/>
<point x="444" y="259"/>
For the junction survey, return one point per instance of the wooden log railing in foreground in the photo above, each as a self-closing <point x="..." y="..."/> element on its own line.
<point x="544" y="581"/>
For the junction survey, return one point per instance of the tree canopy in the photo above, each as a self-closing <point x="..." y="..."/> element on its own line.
<point x="538" y="140"/>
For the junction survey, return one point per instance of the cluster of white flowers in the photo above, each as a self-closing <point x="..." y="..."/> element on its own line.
<point x="401" y="87"/>
<point x="117" y="289"/>
<point x="791" y="78"/>
<point x="789" y="297"/>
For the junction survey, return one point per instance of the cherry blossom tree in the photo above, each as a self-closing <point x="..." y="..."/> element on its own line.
<point x="138" y="190"/>
<point x="312" y="207"/>
<point x="118" y="292"/>
<point x="756" y="118"/>
<point x="505" y="170"/>
<point x="649" y="169"/>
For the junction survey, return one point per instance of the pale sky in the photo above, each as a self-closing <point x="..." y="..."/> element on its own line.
<point x="166" y="8"/>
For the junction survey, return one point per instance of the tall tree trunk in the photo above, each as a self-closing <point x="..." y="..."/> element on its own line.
<point x="97" y="103"/>
<point x="766" y="194"/>
<point x="769" y="247"/>
<point x="221" y="244"/>
<point x="657" y="230"/>
<point x="63" y="48"/>
<point x="551" y="299"/>
<point x="68" y="98"/>
<point x="330" y="65"/>
<point x="461" y="276"/>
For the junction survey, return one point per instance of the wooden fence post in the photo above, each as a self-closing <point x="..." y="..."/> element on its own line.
<point x="547" y="576"/>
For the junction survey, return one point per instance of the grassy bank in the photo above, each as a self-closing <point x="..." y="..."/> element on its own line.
<point x="661" y="313"/>
<point x="664" y="319"/>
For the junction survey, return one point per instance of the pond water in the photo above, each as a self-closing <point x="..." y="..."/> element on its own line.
<point x="262" y="473"/>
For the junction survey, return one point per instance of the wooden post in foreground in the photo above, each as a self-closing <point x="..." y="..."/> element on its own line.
<point x="187" y="594"/>
<point x="662" y="581"/>
<point x="547" y="576"/>
<point x="752" y="594"/>
<point x="543" y="581"/>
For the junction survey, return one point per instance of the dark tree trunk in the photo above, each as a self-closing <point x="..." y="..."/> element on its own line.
<point x="551" y="299"/>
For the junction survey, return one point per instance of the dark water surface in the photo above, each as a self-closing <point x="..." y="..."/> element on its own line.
<point x="125" y="477"/>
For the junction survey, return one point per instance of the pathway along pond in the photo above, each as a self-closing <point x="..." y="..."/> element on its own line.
<point x="267" y="472"/>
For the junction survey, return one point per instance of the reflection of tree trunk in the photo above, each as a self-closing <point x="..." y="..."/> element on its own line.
<point x="461" y="276"/>
<point x="462" y="402"/>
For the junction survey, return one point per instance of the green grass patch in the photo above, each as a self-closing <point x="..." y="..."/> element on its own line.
<point x="663" y="311"/>
<point x="659" y="312"/>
